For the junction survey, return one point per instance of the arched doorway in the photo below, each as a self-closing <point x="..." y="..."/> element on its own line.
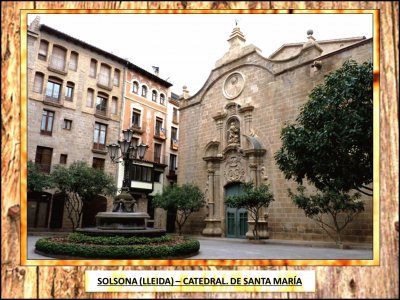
<point x="236" y="218"/>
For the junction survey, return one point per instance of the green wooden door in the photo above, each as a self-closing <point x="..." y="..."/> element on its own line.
<point x="236" y="218"/>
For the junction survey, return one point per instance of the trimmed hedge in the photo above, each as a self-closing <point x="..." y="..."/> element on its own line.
<point x="56" y="247"/>
<point x="116" y="240"/>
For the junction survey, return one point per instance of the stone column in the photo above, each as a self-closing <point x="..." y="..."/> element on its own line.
<point x="253" y="173"/>
<point x="220" y="125"/>
<point x="211" y="193"/>
<point x="213" y="221"/>
<point x="248" y="117"/>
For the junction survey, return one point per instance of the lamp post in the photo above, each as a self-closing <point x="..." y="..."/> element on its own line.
<point x="129" y="153"/>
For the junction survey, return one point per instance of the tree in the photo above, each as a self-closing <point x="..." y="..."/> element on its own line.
<point x="37" y="180"/>
<point x="253" y="199"/>
<point x="80" y="184"/>
<point x="341" y="207"/>
<point x="185" y="199"/>
<point x="330" y="145"/>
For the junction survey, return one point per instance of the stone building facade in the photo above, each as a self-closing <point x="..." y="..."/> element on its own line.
<point x="230" y="130"/>
<point x="145" y="112"/>
<point x="74" y="99"/>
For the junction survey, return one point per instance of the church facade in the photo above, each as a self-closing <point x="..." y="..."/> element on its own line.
<point x="230" y="130"/>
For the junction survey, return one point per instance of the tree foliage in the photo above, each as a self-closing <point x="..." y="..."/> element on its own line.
<point x="253" y="199"/>
<point x="185" y="199"/>
<point x="331" y="147"/>
<point x="37" y="180"/>
<point x="331" y="142"/>
<point x="342" y="208"/>
<point x="80" y="184"/>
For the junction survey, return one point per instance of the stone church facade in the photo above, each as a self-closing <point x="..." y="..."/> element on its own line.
<point x="230" y="130"/>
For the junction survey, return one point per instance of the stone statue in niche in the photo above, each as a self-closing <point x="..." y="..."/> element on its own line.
<point x="233" y="134"/>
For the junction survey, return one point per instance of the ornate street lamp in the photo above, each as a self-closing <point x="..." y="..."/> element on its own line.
<point x="129" y="153"/>
<point x="142" y="150"/>
<point x="124" y="202"/>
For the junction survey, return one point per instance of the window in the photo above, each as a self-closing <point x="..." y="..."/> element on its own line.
<point x="89" y="98"/>
<point x="136" y="118"/>
<point x="162" y="99"/>
<point x="101" y="104"/>
<point x="141" y="173"/>
<point x="43" y="48"/>
<point x="93" y="68"/>
<point x="157" y="153"/>
<point x="46" y="126"/>
<point x="69" y="92"/>
<point x="104" y="75"/>
<point x="174" y="138"/>
<point x="116" y="77"/>
<point x="98" y="163"/>
<point x="144" y="91"/>
<point x="174" y="133"/>
<point x="38" y="83"/>
<point x="43" y="158"/>
<point x="175" y="115"/>
<point x="57" y="61"/>
<point x="73" y="61"/>
<point x="99" y="137"/>
<point x="63" y="159"/>
<point x="53" y="91"/>
<point x="67" y="124"/>
<point x="154" y="96"/>
<point x="114" y="105"/>
<point x="135" y="87"/>
<point x="172" y="162"/>
<point x="159" y="130"/>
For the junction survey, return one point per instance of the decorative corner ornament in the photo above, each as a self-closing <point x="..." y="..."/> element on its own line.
<point x="233" y="85"/>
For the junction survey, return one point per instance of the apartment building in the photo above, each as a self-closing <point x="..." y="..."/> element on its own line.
<point x="74" y="101"/>
<point x="145" y="112"/>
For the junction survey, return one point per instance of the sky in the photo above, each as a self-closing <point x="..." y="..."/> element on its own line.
<point x="185" y="47"/>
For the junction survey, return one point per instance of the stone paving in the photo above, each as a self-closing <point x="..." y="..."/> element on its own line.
<point x="223" y="248"/>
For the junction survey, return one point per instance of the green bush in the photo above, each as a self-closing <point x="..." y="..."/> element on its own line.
<point x="116" y="240"/>
<point x="56" y="247"/>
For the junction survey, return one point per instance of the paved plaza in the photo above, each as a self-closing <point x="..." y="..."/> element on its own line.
<point x="223" y="248"/>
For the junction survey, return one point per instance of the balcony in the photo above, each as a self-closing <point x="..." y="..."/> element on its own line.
<point x="101" y="113"/>
<point x="58" y="65"/>
<point x="99" y="148"/>
<point x="53" y="101"/>
<point x="172" y="175"/>
<point x="174" y="144"/>
<point x="104" y="82"/>
<point x="137" y="129"/>
<point x="160" y="134"/>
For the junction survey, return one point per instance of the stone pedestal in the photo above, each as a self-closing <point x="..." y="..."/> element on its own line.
<point x="262" y="230"/>
<point x="121" y="220"/>
<point x="213" y="227"/>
